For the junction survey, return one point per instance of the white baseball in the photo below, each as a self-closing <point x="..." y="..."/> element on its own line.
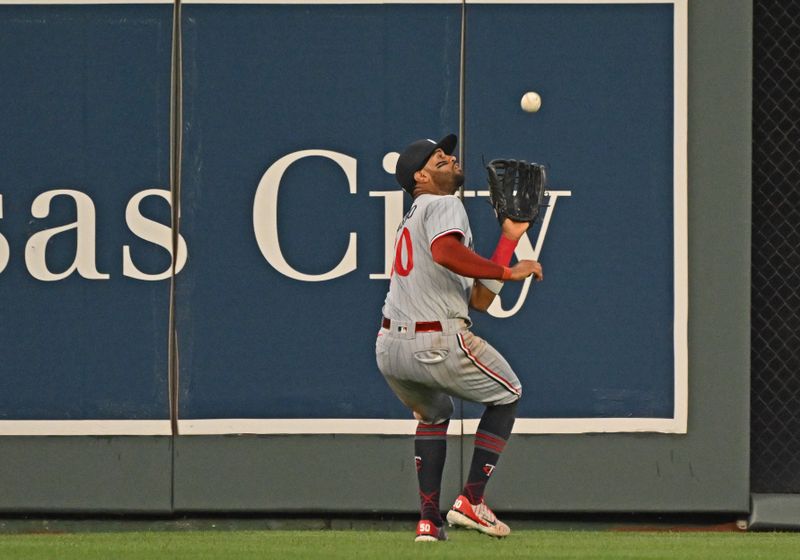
<point x="531" y="102"/>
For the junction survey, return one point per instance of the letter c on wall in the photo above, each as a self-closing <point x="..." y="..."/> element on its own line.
<point x="265" y="216"/>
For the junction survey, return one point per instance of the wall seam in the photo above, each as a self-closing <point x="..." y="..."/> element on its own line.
<point x="176" y="137"/>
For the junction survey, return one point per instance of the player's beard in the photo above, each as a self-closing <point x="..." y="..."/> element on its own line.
<point x="457" y="179"/>
<point x="449" y="181"/>
<point x="458" y="176"/>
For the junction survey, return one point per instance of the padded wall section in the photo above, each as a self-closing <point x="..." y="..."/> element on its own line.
<point x="83" y="180"/>
<point x="601" y="327"/>
<point x="86" y="474"/>
<point x="285" y="197"/>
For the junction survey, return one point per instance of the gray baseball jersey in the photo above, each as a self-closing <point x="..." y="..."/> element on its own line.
<point x="420" y="289"/>
<point x="425" y="367"/>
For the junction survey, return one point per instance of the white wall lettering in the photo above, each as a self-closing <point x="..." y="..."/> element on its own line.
<point x="153" y="232"/>
<point x="265" y="216"/>
<point x="526" y="251"/>
<point x="4" y="250"/>
<point x="393" y="214"/>
<point x="84" y="226"/>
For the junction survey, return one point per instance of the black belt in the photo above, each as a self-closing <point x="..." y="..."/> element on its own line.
<point x="422" y="326"/>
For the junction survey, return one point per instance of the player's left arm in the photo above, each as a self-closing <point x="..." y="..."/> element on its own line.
<point x="481" y="297"/>
<point x="448" y="252"/>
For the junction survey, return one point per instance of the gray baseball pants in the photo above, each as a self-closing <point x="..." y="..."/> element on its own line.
<point x="426" y="369"/>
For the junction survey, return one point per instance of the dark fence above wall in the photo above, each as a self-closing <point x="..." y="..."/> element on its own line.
<point x="775" y="398"/>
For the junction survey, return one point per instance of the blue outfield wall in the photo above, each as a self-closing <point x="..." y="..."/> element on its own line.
<point x="278" y="320"/>
<point x="84" y="112"/>
<point x="254" y="341"/>
<point x="292" y="117"/>
<point x="288" y="205"/>
<point x="596" y="338"/>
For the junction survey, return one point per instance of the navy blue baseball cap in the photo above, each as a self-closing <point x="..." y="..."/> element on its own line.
<point x="416" y="154"/>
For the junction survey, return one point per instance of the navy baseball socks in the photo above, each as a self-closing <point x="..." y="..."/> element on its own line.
<point x="430" y="450"/>
<point x="469" y="509"/>
<point x="490" y="440"/>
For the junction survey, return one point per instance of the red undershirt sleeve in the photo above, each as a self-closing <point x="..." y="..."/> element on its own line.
<point x="449" y="252"/>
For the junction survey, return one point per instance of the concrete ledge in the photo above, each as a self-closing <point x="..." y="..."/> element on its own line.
<point x="775" y="511"/>
<point x="85" y="474"/>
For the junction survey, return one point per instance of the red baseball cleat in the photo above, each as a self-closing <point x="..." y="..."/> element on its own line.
<point x="478" y="517"/>
<point x="428" y="532"/>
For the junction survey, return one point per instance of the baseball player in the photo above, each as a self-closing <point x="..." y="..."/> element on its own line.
<point x="425" y="349"/>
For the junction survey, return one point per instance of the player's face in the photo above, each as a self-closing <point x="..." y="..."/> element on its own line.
<point x="445" y="172"/>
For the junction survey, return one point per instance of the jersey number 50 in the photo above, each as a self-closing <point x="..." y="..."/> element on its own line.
<point x="404" y="241"/>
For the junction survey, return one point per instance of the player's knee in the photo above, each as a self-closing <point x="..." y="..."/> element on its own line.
<point x="508" y="399"/>
<point x="419" y="417"/>
<point x="435" y="415"/>
<point x="431" y="419"/>
<point x="446" y="411"/>
<point x="509" y="407"/>
<point x="499" y="419"/>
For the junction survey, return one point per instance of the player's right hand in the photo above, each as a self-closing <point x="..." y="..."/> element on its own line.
<point x="525" y="268"/>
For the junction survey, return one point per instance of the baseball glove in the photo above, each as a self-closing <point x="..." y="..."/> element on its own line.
<point x="516" y="189"/>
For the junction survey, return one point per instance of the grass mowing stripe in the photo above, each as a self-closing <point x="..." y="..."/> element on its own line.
<point x="388" y="545"/>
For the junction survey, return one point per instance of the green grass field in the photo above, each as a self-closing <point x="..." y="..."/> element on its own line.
<point x="386" y="545"/>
